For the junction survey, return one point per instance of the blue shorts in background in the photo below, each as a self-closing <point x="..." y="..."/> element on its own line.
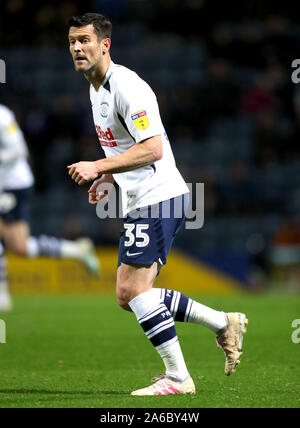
<point x="14" y="205"/>
<point x="148" y="235"/>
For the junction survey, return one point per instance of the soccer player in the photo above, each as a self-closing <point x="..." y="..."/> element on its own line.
<point x="139" y="158"/>
<point x="16" y="182"/>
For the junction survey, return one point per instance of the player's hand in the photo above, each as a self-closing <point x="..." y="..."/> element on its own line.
<point x="83" y="172"/>
<point x="100" y="189"/>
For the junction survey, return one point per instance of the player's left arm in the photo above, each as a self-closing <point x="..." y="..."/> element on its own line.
<point x="144" y="153"/>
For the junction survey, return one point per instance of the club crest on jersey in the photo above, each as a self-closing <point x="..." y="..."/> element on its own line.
<point x="104" y="109"/>
<point x="140" y="119"/>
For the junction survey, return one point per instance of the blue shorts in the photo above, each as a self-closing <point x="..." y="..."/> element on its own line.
<point x="148" y="235"/>
<point x="14" y="205"/>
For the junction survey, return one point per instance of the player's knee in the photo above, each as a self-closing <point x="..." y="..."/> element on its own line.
<point x="123" y="303"/>
<point x="17" y="247"/>
<point x="123" y="296"/>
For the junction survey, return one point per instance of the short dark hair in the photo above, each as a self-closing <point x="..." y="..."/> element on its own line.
<point x="102" y="25"/>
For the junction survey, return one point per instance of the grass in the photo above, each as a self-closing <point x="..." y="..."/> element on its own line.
<point x="84" y="352"/>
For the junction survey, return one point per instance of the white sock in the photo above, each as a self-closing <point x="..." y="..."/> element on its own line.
<point x="184" y="309"/>
<point x="174" y="361"/>
<point x="71" y="250"/>
<point x="210" y="318"/>
<point x="53" y="247"/>
<point x="32" y="247"/>
<point x="158" y="325"/>
<point x="3" y="287"/>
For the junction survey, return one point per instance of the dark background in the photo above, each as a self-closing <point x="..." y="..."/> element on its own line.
<point x="222" y="75"/>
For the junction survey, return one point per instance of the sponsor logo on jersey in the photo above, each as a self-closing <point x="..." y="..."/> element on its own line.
<point x="106" y="138"/>
<point x="140" y="119"/>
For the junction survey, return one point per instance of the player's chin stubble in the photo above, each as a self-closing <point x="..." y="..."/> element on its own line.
<point x="80" y="68"/>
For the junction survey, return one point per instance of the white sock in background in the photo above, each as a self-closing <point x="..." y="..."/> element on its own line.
<point x="3" y="272"/>
<point x="53" y="247"/>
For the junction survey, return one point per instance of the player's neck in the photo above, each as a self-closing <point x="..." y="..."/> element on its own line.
<point x="97" y="74"/>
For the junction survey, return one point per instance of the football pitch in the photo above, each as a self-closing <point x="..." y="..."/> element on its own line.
<point x="85" y="352"/>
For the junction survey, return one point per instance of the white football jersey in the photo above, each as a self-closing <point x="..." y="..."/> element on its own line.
<point x="126" y="112"/>
<point x="15" y="172"/>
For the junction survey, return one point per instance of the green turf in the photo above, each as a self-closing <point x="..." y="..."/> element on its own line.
<point x="86" y="352"/>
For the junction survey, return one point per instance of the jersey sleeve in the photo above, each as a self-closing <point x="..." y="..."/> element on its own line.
<point x="138" y="108"/>
<point x="12" y="143"/>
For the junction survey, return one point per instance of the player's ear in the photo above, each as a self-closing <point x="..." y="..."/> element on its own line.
<point x="105" y="43"/>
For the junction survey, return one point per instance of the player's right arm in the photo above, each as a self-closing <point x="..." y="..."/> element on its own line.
<point x="100" y="188"/>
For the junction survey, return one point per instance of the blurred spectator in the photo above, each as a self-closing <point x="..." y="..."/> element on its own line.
<point x="280" y="42"/>
<point x="289" y="232"/>
<point x="167" y="17"/>
<point x="117" y="10"/>
<point x="12" y="22"/>
<point x="239" y="195"/>
<point x="285" y="254"/>
<point x="259" y="97"/>
<point x="213" y="194"/>
<point x="270" y="140"/>
<point x="219" y="96"/>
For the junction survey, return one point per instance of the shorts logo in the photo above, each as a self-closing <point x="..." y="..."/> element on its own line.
<point x="140" y="119"/>
<point x="128" y="254"/>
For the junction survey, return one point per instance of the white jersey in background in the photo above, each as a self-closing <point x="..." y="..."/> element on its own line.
<point x="126" y="112"/>
<point x="15" y="172"/>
